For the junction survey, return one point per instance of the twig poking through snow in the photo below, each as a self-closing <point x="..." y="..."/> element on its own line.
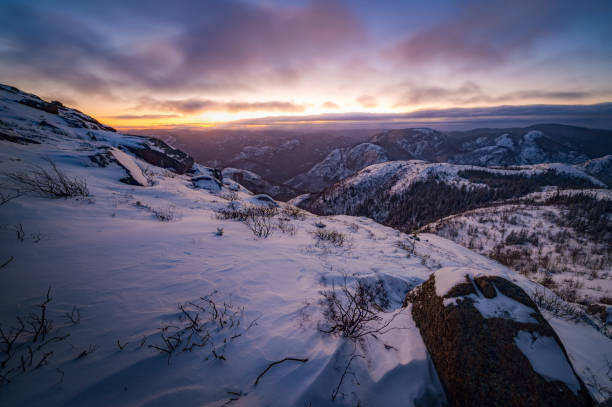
<point x="277" y="363"/>
<point x="6" y="263"/>
<point x="335" y="393"/>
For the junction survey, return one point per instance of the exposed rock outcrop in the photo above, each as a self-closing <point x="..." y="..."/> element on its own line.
<point x="160" y="154"/>
<point x="490" y="344"/>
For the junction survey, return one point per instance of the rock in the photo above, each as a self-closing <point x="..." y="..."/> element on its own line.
<point x="598" y="310"/>
<point x="14" y="138"/>
<point x="263" y="200"/>
<point x="206" y="182"/>
<point x="490" y="344"/>
<point x="160" y="154"/>
<point x="42" y="105"/>
<point x="102" y="159"/>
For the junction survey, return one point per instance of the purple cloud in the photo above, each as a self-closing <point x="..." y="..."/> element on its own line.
<point x="367" y="101"/>
<point x="204" y="45"/>
<point x="484" y="34"/>
<point x="194" y="105"/>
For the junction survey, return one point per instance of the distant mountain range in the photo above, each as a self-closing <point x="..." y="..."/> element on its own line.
<point x="292" y="162"/>
<point x="410" y="194"/>
<point x="544" y="143"/>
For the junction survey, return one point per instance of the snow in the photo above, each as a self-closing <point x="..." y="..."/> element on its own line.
<point x="484" y="229"/>
<point x="590" y="353"/>
<point x="110" y="256"/>
<point x="131" y="271"/>
<point x="262" y="200"/>
<point x="499" y="306"/>
<point x="338" y="164"/>
<point x="504" y="141"/>
<point x="547" y="358"/>
<point x="132" y="168"/>
<point x="127" y="272"/>
<point x="448" y="277"/>
<point x="206" y="182"/>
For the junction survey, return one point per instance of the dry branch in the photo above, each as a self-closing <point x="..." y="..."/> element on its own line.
<point x="277" y="363"/>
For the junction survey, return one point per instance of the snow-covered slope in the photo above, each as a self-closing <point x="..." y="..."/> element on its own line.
<point x="560" y="239"/>
<point x="600" y="168"/>
<point x="259" y="185"/>
<point x="483" y="147"/>
<point x="339" y="164"/>
<point x="167" y="300"/>
<point x="411" y="193"/>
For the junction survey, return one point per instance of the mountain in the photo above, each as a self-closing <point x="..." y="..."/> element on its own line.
<point x="410" y="194"/>
<point x="256" y="184"/>
<point x="600" y="168"/>
<point x="546" y="143"/>
<point x="132" y="275"/>
<point x="339" y="164"/>
<point x="274" y="155"/>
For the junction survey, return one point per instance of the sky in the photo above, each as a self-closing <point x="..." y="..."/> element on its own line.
<point x="208" y="62"/>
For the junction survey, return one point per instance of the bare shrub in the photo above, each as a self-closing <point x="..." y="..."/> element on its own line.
<point x="353" y="227"/>
<point x="606" y="300"/>
<point x="556" y="305"/>
<point x="9" y="194"/>
<point x="522" y="237"/>
<point x="330" y="236"/>
<point x="229" y="196"/>
<point x="165" y="214"/>
<point x="407" y="245"/>
<point x="285" y="226"/>
<point x="52" y="182"/>
<point x="293" y="212"/>
<point x="29" y="345"/>
<point x="257" y="218"/>
<point x="202" y="324"/>
<point x="353" y="312"/>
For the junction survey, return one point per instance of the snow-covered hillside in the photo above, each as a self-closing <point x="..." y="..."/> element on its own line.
<point x="188" y="290"/>
<point x="408" y="194"/>
<point x="559" y="239"/>
<point x="339" y="164"/>
<point x="483" y="147"/>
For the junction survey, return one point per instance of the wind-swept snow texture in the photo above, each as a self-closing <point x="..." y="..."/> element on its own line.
<point x="127" y="272"/>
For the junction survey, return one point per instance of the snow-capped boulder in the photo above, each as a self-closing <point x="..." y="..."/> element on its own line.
<point x="263" y="200"/>
<point x="160" y="154"/>
<point x="490" y="344"/>
<point x="206" y="182"/>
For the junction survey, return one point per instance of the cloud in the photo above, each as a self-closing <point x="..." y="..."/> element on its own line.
<point x="194" y="105"/>
<point x="482" y="34"/>
<point x="330" y="105"/>
<point x="470" y="93"/>
<point x="597" y="116"/>
<point x="367" y="101"/>
<point x="141" y="116"/>
<point x="203" y="45"/>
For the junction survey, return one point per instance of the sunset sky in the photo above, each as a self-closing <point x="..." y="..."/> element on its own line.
<point x="151" y="63"/>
